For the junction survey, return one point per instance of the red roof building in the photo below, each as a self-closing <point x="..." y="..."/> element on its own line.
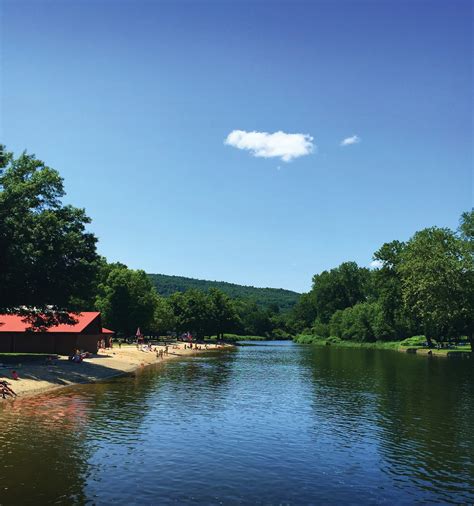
<point x="17" y="335"/>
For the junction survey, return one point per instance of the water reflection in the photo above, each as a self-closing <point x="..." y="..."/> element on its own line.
<point x="276" y="423"/>
<point x="414" y="412"/>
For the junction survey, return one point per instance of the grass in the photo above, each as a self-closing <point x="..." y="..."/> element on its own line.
<point x="335" y="341"/>
<point x="235" y="337"/>
<point x="413" y="344"/>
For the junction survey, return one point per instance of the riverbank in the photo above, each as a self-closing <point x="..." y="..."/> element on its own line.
<point x="39" y="377"/>
<point x="401" y="346"/>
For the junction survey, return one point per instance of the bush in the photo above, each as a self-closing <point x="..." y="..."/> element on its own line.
<point x="280" y="334"/>
<point x="320" y="329"/>
<point x="305" y="338"/>
<point x="414" y="341"/>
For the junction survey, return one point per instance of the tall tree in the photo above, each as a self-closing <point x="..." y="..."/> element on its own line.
<point x="126" y="299"/>
<point x="303" y="313"/>
<point x="193" y="312"/>
<point x="466" y="228"/>
<point x="437" y="272"/>
<point x="388" y="287"/>
<point x="48" y="260"/>
<point x="223" y="314"/>
<point x="339" y="288"/>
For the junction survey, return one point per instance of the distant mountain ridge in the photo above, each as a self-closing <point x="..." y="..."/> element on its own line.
<point x="166" y="285"/>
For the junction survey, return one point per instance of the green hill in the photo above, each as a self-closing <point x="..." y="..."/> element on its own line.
<point x="166" y="285"/>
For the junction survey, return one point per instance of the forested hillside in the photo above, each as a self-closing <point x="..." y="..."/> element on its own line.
<point x="167" y="285"/>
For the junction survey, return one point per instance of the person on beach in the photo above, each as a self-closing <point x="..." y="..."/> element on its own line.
<point x="15" y="375"/>
<point x="6" y="390"/>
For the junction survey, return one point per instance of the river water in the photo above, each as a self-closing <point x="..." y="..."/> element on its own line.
<point x="272" y="423"/>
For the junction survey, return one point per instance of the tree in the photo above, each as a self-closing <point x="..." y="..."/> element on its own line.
<point x="48" y="260"/>
<point x="193" y="312"/>
<point x="437" y="271"/>
<point x="163" y="317"/>
<point x="303" y="313"/>
<point x="466" y="232"/>
<point x="254" y="320"/>
<point x="223" y="314"/>
<point x="388" y="287"/>
<point x="339" y="288"/>
<point x="466" y="226"/>
<point x="126" y="299"/>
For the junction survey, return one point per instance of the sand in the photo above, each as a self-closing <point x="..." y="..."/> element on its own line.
<point x="35" y="378"/>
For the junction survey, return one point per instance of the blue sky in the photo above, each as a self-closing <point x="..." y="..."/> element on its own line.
<point x="132" y="103"/>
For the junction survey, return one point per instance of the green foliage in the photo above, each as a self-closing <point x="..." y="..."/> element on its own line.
<point x="224" y="316"/>
<point x="388" y="287"/>
<point x="238" y="337"/>
<point x="413" y="341"/>
<point x="425" y="285"/>
<point x="126" y="299"/>
<point x="192" y="310"/>
<point x="321" y="329"/>
<point x="339" y="288"/>
<point x="303" y="313"/>
<point x="357" y="323"/>
<point x="466" y="228"/>
<point x="307" y="338"/>
<point x="48" y="259"/>
<point x="164" y="320"/>
<point x="253" y="319"/>
<point x="437" y="272"/>
<point x="264" y="297"/>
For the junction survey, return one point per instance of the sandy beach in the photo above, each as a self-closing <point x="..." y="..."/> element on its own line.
<point x="38" y="377"/>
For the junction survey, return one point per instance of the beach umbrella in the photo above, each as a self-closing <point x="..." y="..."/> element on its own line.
<point x="138" y="333"/>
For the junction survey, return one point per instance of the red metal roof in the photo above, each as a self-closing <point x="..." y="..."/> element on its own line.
<point x="17" y="323"/>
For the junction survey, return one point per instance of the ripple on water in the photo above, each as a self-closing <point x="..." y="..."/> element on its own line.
<point x="272" y="424"/>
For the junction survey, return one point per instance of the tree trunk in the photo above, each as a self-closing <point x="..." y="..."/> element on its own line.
<point x="430" y="342"/>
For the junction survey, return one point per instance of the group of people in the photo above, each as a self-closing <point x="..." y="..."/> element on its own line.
<point x="77" y="356"/>
<point x="160" y="353"/>
<point x="196" y="346"/>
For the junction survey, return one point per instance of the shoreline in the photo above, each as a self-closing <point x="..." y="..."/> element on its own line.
<point x="393" y="346"/>
<point x="39" y="378"/>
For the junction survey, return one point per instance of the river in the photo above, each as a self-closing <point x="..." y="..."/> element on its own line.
<point x="271" y="423"/>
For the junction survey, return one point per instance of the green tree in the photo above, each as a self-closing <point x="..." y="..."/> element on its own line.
<point x="164" y="320"/>
<point x="224" y="316"/>
<point x="388" y="287"/>
<point x="303" y="313"/>
<point x="193" y="312"/>
<point x="339" y="288"/>
<point x="48" y="260"/>
<point x="126" y="299"/>
<point x="466" y="228"/>
<point x="437" y="282"/>
<point x="255" y="321"/>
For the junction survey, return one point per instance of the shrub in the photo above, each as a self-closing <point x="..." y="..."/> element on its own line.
<point x="414" y="341"/>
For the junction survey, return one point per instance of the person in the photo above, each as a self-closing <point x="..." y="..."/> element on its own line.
<point x="6" y="390"/>
<point x="120" y="343"/>
<point x="15" y="375"/>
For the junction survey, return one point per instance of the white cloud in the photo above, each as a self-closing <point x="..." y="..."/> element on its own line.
<point x="376" y="264"/>
<point x="355" y="139"/>
<point x="275" y="145"/>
